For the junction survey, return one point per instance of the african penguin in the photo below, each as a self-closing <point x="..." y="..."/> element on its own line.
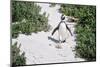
<point x="63" y="30"/>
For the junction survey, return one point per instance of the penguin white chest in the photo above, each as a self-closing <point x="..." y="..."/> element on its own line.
<point x="62" y="31"/>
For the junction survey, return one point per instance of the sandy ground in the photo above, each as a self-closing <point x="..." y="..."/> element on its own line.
<point x="43" y="48"/>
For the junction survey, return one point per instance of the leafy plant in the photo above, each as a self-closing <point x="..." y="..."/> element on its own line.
<point x="28" y="18"/>
<point x="85" y="29"/>
<point x="17" y="57"/>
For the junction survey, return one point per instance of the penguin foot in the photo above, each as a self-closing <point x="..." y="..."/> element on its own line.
<point x="58" y="46"/>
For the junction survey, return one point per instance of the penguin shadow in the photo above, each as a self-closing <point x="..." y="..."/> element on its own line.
<point x="52" y="39"/>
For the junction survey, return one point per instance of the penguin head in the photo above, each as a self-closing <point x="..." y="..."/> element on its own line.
<point x="62" y="17"/>
<point x="68" y="18"/>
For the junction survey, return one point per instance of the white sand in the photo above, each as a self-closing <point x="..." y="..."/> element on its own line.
<point x="40" y="49"/>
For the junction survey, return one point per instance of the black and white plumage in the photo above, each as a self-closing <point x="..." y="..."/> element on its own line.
<point x="63" y="29"/>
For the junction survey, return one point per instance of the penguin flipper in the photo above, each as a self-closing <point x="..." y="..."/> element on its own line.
<point x="55" y="30"/>
<point x="69" y="30"/>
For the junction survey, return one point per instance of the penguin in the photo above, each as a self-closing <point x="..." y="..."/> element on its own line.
<point x="63" y="29"/>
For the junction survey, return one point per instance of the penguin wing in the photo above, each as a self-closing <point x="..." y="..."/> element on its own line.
<point x="55" y="29"/>
<point x="69" y="30"/>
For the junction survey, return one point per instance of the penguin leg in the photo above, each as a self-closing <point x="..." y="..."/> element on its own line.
<point x="59" y="45"/>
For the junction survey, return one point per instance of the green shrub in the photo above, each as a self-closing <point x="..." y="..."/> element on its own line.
<point x="17" y="57"/>
<point x="85" y="29"/>
<point x="28" y="18"/>
<point x="15" y="30"/>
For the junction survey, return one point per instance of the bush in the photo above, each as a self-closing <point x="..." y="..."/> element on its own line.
<point x="85" y="29"/>
<point x="17" y="57"/>
<point x="28" y="19"/>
